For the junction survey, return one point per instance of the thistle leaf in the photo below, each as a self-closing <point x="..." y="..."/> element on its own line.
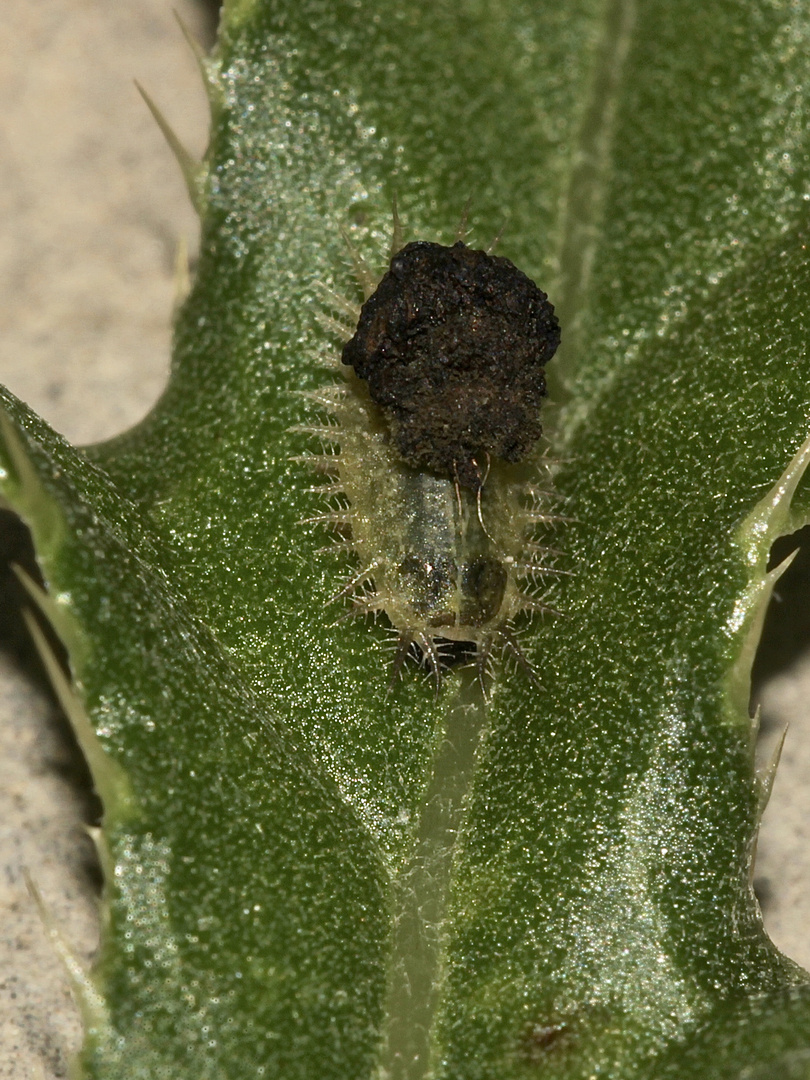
<point x="309" y="876"/>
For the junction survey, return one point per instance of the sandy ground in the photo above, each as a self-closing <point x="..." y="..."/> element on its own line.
<point x="93" y="208"/>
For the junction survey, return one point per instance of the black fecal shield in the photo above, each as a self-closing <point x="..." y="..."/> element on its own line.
<point x="453" y="344"/>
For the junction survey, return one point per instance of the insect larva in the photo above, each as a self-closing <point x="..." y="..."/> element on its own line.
<point x="436" y="424"/>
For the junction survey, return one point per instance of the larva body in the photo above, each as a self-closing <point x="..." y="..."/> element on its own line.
<point x="445" y="561"/>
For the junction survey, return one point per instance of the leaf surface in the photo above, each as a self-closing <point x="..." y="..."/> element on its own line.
<point x="313" y="877"/>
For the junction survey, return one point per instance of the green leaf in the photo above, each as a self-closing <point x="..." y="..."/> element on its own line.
<point x="621" y="804"/>
<point x="309" y="876"/>
<point x="224" y="927"/>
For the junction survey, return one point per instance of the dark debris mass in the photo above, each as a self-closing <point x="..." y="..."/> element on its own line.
<point x="453" y="345"/>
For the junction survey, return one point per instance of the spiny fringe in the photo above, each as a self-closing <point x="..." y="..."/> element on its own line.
<point x="367" y="604"/>
<point x="514" y="651"/>
<point x="343" y="331"/>
<point x="536" y="606"/>
<point x="337" y="518"/>
<point x="434" y="654"/>
<point x="354" y="582"/>
<point x="338" y="301"/>
<point x="362" y="271"/>
<point x="328" y="491"/>
<point x="327" y="464"/>
<point x="541" y="549"/>
<point x="327" y="396"/>
<point x="542" y="494"/>
<point x="529" y="569"/>
<point x="540" y="517"/>
<point x="328" y="432"/>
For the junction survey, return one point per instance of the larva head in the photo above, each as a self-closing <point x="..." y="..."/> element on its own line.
<point x="453" y="344"/>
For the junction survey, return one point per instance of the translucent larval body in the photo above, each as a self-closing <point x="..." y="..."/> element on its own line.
<point x="444" y="561"/>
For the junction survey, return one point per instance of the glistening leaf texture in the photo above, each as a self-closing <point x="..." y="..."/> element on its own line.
<point x="562" y="875"/>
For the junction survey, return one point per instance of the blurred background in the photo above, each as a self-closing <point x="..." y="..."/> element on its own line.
<point x="93" y="210"/>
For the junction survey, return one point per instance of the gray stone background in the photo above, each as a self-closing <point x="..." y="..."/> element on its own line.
<point x="93" y="207"/>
